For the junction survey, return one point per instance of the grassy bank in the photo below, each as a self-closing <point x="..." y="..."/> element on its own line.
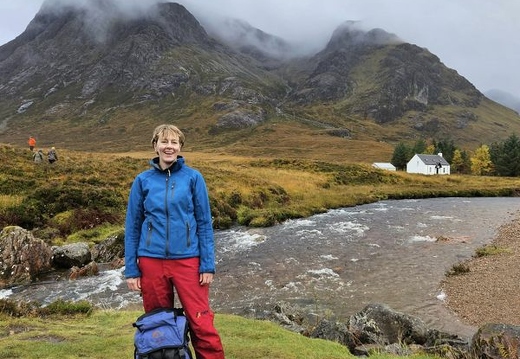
<point x="109" y="334"/>
<point x="83" y="195"/>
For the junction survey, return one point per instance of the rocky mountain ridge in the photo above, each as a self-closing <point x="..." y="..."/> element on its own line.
<point x="105" y="78"/>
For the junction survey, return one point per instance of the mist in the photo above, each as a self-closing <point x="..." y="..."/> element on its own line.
<point x="99" y="15"/>
<point x="477" y="38"/>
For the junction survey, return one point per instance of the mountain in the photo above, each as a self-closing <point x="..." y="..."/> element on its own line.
<point x="504" y="98"/>
<point x="100" y="78"/>
<point x="241" y="36"/>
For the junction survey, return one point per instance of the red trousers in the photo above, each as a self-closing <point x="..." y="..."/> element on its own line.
<point x="158" y="279"/>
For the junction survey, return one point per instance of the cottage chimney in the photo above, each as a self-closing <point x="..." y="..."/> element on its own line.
<point x="440" y="154"/>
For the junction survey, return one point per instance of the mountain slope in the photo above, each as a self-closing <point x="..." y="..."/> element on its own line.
<point x="504" y="98"/>
<point x="102" y="82"/>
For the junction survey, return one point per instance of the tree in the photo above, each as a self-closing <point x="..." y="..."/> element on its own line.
<point x="481" y="162"/>
<point x="447" y="148"/>
<point x="506" y="156"/>
<point x="430" y="150"/>
<point x="401" y="156"/>
<point x="419" y="146"/>
<point x="457" y="162"/>
<point x="460" y="163"/>
<point x="466" y="163"/>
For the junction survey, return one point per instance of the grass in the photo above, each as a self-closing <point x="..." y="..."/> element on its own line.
<point x="109" y="334"/>
<point x="83" y="196"/>
<point x="7" y="201"/>
<point x="490" y="250"/>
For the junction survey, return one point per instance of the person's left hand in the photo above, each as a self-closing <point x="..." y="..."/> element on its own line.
<point x="205" y="278"/>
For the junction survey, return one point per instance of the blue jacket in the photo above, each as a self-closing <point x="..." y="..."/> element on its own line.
<point x="169" y="217"/>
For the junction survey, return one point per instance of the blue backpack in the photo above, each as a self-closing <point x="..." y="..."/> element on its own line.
<point x="162" y="334"/>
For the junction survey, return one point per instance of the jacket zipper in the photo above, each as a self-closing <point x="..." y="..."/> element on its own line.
<point x="167" y="249"/>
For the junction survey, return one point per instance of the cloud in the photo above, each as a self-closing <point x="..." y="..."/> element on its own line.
<point x="99" y="14"/>
<point x="478" y="38"/>
<point x="129" y="8"/>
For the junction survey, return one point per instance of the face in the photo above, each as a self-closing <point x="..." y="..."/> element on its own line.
<point x="168" y="148"/>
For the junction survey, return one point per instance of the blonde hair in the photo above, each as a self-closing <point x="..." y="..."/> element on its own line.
<point x="167" y="130"/>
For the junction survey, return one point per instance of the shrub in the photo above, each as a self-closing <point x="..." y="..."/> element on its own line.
<point x="489" y="250"/>
<point x="62" y="307"/>
<point x="457" y="269"/>
<point x="59" y="307"/>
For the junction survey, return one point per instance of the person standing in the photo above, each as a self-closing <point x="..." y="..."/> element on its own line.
<point x="52" y="156"/>
<point x="31" y="142"/>
<point x="38" y="156"/>
<point x="169" y="243"/>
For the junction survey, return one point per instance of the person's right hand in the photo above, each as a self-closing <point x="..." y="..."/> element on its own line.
<point x="134" y="284"/>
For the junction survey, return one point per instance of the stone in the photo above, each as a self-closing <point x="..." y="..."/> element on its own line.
<point x="70" y="255"/>
<point x="22" y="257"/>
<point x="89" y="270"/>
<point x="111" y="249"/>
<point x="496" y="341"/>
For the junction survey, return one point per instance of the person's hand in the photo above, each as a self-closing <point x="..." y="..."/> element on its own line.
<point x="134" y="284"/>
<point x="205" y="278"/>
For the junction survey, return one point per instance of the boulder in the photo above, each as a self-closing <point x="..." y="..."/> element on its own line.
<point x="117" y="263"/>
<point x="336" y="332"/>
<point x="288" y="316"/>
<point x="378" y="328"/>
<point x="89" y="270"/>
<point x="379" y="324"/>
<point x="70" y="255"/>
<point x="496" y="341"/>
<point x="111" y="249"/>
<point x="22" y="257"/>
<point x="239" y="119"/>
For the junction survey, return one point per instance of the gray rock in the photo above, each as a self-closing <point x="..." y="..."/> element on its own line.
<point x="22" y="257"/>
<point x="241" y="119"/>
<point x="110" y="249"/>
<point x="70" y="255"/>
<point x="336" y="332"/>
<point x="381" y="329"/>
<point x="496" y="341"/>
<point x="378" y="323"/>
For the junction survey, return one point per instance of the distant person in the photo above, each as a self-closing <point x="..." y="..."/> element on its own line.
<point x="169" y="240"/>
<point x="32" y="143"/>
<point x="38" y="156"/>
<point x="52" y="156"/>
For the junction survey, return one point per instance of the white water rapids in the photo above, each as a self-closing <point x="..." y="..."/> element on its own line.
<point x="336" y="262"/>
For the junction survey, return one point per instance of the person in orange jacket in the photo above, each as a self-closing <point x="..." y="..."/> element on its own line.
<point x="31" y="142"/>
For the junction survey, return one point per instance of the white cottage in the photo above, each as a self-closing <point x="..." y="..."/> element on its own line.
<point x="428" y="165"/>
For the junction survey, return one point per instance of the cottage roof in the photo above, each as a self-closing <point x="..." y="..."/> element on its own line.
<point x="433" y="160"/>
<point x="383" y="165"/>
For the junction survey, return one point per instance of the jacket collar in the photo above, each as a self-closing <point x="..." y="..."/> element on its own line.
<point x="154" y="162"/>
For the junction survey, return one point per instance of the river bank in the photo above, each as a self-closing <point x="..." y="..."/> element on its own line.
<point x="490" y="291"/>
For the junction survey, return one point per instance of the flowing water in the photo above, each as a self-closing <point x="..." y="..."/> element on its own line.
<point x="336" y="262"/>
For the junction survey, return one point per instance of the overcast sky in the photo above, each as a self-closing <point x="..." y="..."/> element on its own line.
<point x="478" y="38"/>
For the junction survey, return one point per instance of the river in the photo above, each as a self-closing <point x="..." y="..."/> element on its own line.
<point x="336" y="262"/>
